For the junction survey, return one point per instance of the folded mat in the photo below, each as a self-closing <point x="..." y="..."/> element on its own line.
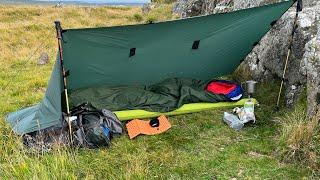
<point x="137" y="126"/>
<point x="165" y="96"/>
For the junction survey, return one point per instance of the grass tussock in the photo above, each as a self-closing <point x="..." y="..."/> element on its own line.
<point x="300" y="138"/>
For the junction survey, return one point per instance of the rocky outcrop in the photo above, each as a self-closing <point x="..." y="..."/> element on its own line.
<point x="189" y="8"/>
<point x="266" y="61"/>
<point x="310" y="67"/>
<point x="241" y="4"/>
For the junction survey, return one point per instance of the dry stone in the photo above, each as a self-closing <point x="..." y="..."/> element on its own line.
<point x="43" y="59"/>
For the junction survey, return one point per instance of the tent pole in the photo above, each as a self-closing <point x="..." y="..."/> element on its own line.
<point x="64" y="75"/>
<point x="299" y="8"/>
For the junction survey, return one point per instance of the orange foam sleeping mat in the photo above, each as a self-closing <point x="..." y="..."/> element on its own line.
<point x="137" y="127"/>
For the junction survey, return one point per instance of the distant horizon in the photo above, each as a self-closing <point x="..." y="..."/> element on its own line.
<point x="94" y="2"/>
<point x="99" y="1"/>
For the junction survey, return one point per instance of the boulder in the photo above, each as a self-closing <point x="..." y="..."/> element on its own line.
<point x="59" y="5"/>
<point x="243" y="4"/>
<point x="266" y="61"/>
<point x="221" y="9"/>
<point x="310" y="66"/>
<point x="189" y="8"/>
<point x="146" y="8"/>
<point x="43" y="59"/>
<point x="309" y="3"/>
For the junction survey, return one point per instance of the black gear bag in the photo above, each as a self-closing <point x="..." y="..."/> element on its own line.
<point x="94" y="128"/>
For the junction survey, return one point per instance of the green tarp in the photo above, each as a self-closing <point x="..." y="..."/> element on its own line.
<point x="43" y="115"/>
<point x="101" y="56"/>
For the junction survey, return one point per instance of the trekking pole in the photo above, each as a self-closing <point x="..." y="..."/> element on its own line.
<point x="299" y="8"/>
<point x="64" y="75"/>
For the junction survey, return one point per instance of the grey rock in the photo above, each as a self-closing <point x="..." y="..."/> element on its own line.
<point x="270" y="54"/>
<point x="291" y="93"/>
<point x="146" y="8"/>
<point x="43" y="59"/>
<point x="310" y="66"/>
<point x="196" y="8"/>
<point x="59" y="5"/>
<point x="309" y="3"/>
<point x="190" y="8"/>
<point x="266" y="61"/>
<point x="221" y="9"/>
<point x="180" y="7"/>
<point x="243" y="4"/>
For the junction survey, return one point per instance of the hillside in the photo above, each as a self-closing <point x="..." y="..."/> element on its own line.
<point x="199" y="145"/>
<point x="75" y="2"/>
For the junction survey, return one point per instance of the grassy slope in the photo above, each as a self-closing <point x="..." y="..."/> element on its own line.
<point x="198" y="145"/>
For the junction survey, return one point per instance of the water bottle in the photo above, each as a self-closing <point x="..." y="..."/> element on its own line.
<point x="233" y="121"/>
<point x="248" y="106"/>
<point x="248" y="109"/>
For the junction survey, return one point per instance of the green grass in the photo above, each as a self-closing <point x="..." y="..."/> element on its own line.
<point x="198" y="146"/>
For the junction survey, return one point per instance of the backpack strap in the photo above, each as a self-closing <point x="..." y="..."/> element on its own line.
<point x="80" y="133"/>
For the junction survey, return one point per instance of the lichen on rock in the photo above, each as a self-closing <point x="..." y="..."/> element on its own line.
<point x="189" y="8"/>
<point x="310" y="66"/>
<point x="270" y="54"/>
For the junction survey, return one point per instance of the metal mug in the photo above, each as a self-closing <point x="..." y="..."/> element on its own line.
<point x="251" y="87"/>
